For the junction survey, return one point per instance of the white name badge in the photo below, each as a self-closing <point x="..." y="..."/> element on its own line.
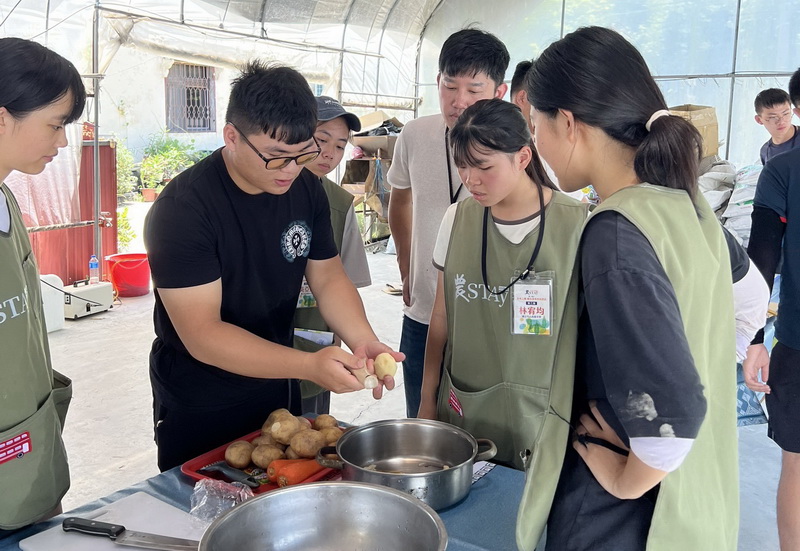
<point x="306" y="298"/>
<point x="532" y="309"/>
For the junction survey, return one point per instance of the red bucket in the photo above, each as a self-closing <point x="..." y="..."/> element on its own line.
<point x="129" y="273"/>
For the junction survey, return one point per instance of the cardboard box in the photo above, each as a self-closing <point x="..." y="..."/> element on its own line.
<point x="371" y="144"/>
<point x="704" y="118"/>
<point x="376" y="145"/>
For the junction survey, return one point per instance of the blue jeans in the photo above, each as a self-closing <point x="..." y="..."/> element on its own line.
<point x="412" y="344"/>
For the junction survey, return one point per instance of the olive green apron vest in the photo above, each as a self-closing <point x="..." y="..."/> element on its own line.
<point x="698" y="504"/>
<point x="33" y="398"/>
<point x="341" y="201"/>
<point x="512" y="388"/>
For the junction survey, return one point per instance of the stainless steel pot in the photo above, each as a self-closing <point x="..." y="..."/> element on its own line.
<point x="328" y="516"/>
<point x="430" y="460"/>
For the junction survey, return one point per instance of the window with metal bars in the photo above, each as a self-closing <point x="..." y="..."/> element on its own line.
<point x="191" y="104"/>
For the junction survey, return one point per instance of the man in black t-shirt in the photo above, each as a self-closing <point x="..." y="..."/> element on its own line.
<point x="229" y="241"/>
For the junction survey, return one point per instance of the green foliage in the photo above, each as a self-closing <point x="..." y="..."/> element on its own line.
<point x="165" y="157"/>
<point x="126" y="180"/>
<point x="125" y="233"/>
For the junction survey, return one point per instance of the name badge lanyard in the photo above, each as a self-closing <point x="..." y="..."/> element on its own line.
<point x="538" y="246"/>
<point x="453" y="196"/>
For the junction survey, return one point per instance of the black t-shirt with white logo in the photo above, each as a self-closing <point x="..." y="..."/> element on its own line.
<point x="203" y="228"/>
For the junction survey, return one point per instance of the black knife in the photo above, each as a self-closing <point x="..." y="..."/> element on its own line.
<point x="121" y="536"/>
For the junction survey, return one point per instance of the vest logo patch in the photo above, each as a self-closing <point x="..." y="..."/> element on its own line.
<point x="15" y="447"/>
<point x="475" y="291"/>
<point x="296" y="241"/>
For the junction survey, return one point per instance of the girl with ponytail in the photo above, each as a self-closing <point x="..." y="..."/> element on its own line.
<point x="653" y="462"/>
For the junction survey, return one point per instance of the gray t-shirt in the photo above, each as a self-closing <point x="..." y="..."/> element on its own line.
<point x="420" y="162"/>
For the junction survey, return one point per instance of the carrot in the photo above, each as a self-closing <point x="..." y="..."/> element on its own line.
<point x="296" y="473"/>
<point x="275" y="466"/>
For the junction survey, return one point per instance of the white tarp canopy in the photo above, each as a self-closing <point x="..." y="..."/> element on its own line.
<point x="382" y="53"/>
<point x="363" y="50"/>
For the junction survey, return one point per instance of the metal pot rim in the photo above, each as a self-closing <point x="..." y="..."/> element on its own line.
<point x="440" y="425"/>
<point x="440" y="527"/>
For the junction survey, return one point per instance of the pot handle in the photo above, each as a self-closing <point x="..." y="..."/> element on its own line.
<point x="326" y="462"/>
<point x="488" y="453"/>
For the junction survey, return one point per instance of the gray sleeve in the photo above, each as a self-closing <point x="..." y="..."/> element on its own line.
<point x="354" y="257"/>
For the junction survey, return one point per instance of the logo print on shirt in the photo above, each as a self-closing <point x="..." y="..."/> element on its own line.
<point x="469" y="292"/>
<point x="460" y="281"/>
<point x="296" y="241"/>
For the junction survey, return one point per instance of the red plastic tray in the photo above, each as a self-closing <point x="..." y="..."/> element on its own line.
<point x="191" y="467"/>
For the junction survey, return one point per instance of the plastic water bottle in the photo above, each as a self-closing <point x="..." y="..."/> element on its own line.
<point x="94" y="270"/>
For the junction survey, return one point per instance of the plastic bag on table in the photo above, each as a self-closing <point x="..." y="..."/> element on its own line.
<point x="212" y="497"/>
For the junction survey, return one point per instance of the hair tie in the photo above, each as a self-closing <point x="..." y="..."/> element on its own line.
<point x="654" y="116"/>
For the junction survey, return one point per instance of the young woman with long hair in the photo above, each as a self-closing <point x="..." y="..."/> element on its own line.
<point x="654" y="460"/>
<point x="40" y="92"/>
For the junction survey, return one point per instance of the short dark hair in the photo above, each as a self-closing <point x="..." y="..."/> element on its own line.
<point x="794" y="88"/>
<point x="494" y="125"/>
<point x="35" y="77"/>
<point x="273" y="100"/>
<point x="604" y="81"/>
<point x="472" y="51"/>
<point x="518" y="80"/>
<point x="770" y="97"/>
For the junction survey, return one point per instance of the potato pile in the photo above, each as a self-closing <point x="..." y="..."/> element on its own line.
<point x="284" y="436"/>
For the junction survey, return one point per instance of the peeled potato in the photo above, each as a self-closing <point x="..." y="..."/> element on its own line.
<point x="238" y="454"/>
<point x="324" y="421"/>
<point x="265" y="454"/>
<point x="385" y="365"/>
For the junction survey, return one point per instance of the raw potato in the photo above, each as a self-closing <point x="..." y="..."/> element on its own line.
<point x="285" y="428"/>
<point x="307" y="443"/>
<point x="331" y="434"/>
<point x="273" y="417"/>
<point x="266" y="440"/>
<point x="238" y="454"/>
<point x="291" y="454"/>
<point x="305" y="420"/>
<point x="385" y="365"/>
<point x="324" y="421"/>
<point x="264" y="455"/>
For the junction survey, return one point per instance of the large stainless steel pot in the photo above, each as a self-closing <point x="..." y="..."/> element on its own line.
<point x="430" y="460"/>
<point x="328" y="516"/>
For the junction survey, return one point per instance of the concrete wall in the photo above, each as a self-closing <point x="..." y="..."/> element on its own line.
<point x="133" y="102"/>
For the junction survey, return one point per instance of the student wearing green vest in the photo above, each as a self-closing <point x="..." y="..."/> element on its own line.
<point x="334" y="127"/>
<point x="504" y="323"/>
<point x="653" y="464"/>
<point x="40" y="93"/>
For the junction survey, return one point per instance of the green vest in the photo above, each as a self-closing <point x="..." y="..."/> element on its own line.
<point x="698" y="504"/>
<point x="341" y="201"/>
<point x="510" y="387"/>
<point x="34" y="398"/>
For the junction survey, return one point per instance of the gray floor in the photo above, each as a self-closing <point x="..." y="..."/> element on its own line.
<point x="109" y="427"/>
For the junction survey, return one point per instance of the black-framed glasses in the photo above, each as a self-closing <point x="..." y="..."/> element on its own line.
<point x="277" y="163"/>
